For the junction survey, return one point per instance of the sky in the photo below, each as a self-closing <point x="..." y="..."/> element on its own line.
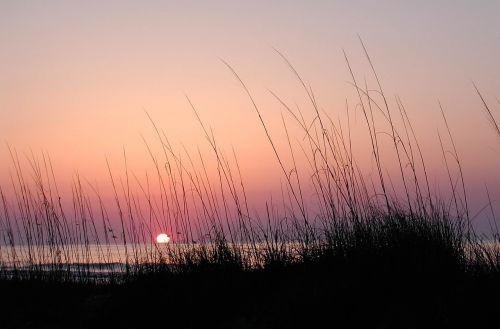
<point x="77" y="78"/>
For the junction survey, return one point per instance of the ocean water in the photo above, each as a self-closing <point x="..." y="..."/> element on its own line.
<point x="102" y="260"/>
<point x="92" y="259"/>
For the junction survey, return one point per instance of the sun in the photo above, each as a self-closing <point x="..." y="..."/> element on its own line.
<point x="162" y="238"/>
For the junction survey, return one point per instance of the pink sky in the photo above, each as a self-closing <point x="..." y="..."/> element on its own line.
<point x="78" y="76"/>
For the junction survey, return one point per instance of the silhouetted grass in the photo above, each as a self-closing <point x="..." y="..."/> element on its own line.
<point x="364" y="255"/>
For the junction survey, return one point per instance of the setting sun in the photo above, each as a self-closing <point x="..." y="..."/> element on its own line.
<point x="162" y="238"/>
